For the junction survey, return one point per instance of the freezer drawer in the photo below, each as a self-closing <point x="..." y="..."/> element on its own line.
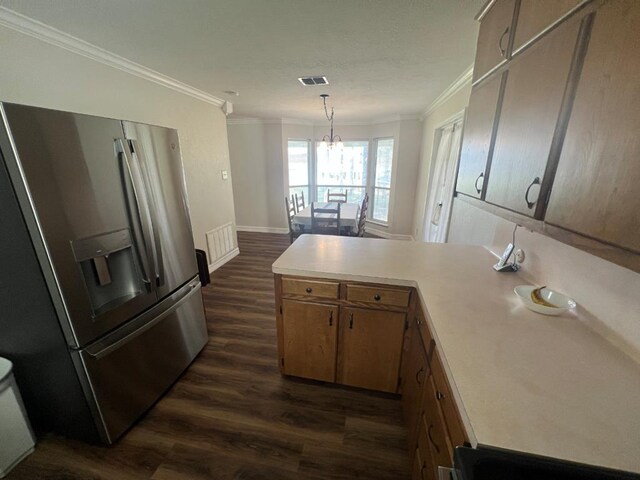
<point x="131" y="368"/>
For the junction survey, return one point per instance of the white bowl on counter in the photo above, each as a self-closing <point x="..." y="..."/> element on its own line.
<point x="561" y="302"/>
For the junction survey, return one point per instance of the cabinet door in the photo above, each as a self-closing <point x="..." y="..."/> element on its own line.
<point x="536" y="15"/>
<point x="493" y="37"/>
<point x="478" y="136"/>
<point x="416" y="370"/>
<point x="440" y="445"/>
<point x="595" y="191"/>
<point x="532" y="100"/>
<point x="310" y="333"/>
<point x="370" y="348"/>
<point x="429" y="467"/>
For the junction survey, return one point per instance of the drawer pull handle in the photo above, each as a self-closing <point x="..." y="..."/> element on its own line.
<point x="376" y="297"/>
<point x="309" y="290"/>
<point x="536" y="181"/>
<point x="478" y="189"/>
<point x="439" y="395"/>
<point x="503" y="50"/>
<point x="331" y="318"/>
<point x="435" y="445"/>
<point x="418" y="375"/>
<point x="351" y="321"/>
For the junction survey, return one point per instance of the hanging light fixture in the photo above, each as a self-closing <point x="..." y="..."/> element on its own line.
<point x="330" y="140"/>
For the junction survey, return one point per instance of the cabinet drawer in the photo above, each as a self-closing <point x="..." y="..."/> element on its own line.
<point x="310" y="288"/>
<point x="383" y="296"/>
<point x="447" y="403"/>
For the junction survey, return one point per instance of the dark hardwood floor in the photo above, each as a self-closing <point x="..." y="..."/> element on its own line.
<point x="233" y="416"/>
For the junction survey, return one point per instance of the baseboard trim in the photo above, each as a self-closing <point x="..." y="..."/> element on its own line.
<point x="249" y="228"/>
<point x="391" y="236"/>
<point x="222" y="260"/>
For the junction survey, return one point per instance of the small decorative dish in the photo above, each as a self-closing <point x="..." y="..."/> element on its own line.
<point x="544" y="300"/>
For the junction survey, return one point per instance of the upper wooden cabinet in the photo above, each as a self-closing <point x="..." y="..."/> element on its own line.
<point x="310" y="340"/>
<point x="536" y="15"/>
<point x="478" y="136"/>
<point x="494" y="37"/>
<point x="530" y="109"/>
<point x="370" y="348"/>
<point x="596" y="186"/>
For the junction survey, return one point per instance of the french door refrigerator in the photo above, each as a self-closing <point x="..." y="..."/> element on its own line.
<point x="101" y="308"/>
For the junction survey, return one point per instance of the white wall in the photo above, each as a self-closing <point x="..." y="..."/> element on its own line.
<point x="260" y="167"/>
<point x="37" y="73"/>
<point x="256" y="150"/>
<point x="607" y="294"/>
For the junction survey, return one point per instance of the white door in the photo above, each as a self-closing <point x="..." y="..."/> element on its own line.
<point x="442" y="184"/>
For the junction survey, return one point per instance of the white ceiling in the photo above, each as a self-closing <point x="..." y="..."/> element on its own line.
<point x="381" y="57"/>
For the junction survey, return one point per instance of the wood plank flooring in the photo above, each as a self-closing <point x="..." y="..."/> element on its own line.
<point x="233" y="416"/>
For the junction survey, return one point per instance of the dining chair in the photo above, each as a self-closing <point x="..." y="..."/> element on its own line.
<point x="293" y="203"/>
<point x="337" y="196"/>
<point x="325" y="225"/>
<point x="300" y="201"/>
<point x="294" y="231"/>
<point x="362" y="221"/>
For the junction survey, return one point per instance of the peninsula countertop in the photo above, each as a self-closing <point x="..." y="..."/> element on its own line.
<point x="543" y="385"/>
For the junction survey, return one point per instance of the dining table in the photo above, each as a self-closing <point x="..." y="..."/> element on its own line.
<point x="348" y="215"/>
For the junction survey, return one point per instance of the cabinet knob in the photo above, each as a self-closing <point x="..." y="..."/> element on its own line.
<point x="309" y="290"/>
<point x="439" y="395"/>
<point x="376" y="297"/>
<point x="536" y="181"/>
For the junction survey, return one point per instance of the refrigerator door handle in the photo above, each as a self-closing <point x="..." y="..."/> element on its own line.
<point x="143" y="247"/>
<point x="153" y="209"/>
<point x="109" y="345"/>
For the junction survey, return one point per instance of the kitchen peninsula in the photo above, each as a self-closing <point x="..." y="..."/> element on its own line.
<point x="503" y="376"/>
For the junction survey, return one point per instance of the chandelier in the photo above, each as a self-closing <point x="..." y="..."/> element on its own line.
<point x="330" y="140"/>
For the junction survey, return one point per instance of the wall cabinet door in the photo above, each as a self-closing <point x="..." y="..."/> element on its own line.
<point x="310" y="332"/>
<point x="536" y="15"/>
<point x="414" y="375"/>
<point x="370" y="348"/>
<point x="595" y="191"/>
<point x="493" y="37"/>
<point x="478" y="136"/>
<point x="532" y="101"/>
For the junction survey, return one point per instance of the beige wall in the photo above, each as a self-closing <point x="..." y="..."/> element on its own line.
<point x="260" y="167"/>
<point x="607" y="294"/>
<point x="454" y="105"/>
<point x="37" y="73"/>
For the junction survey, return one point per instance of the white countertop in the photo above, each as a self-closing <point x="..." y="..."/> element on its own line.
<point x="523" y="381"/>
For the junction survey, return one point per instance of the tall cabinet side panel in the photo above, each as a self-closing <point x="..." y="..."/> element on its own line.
<point x="31" y="335"/>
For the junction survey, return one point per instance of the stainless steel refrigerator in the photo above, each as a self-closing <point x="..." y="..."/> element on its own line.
<point x="100" y="304"/>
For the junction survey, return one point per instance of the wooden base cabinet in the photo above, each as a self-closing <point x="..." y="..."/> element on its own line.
<point x="370" y="347"/>
<point x="433" y="421"/>
<point x="310" y="340"/>
<point x="352" y="334"/>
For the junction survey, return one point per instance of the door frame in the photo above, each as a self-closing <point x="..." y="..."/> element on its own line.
<point x="460" y="116"/>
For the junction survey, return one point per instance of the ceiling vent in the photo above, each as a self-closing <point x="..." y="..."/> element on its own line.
<point x="310" y="81"/>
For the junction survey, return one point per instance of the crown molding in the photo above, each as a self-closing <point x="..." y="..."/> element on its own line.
<point x="457" y="85"/>
<point x="254" y="121"/>
<point x="41" y="31"/>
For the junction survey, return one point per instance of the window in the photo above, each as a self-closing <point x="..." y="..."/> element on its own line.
<point x="382" y="179"/>
<point x="341" y="169"/>
<point x="298" y="155"/>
